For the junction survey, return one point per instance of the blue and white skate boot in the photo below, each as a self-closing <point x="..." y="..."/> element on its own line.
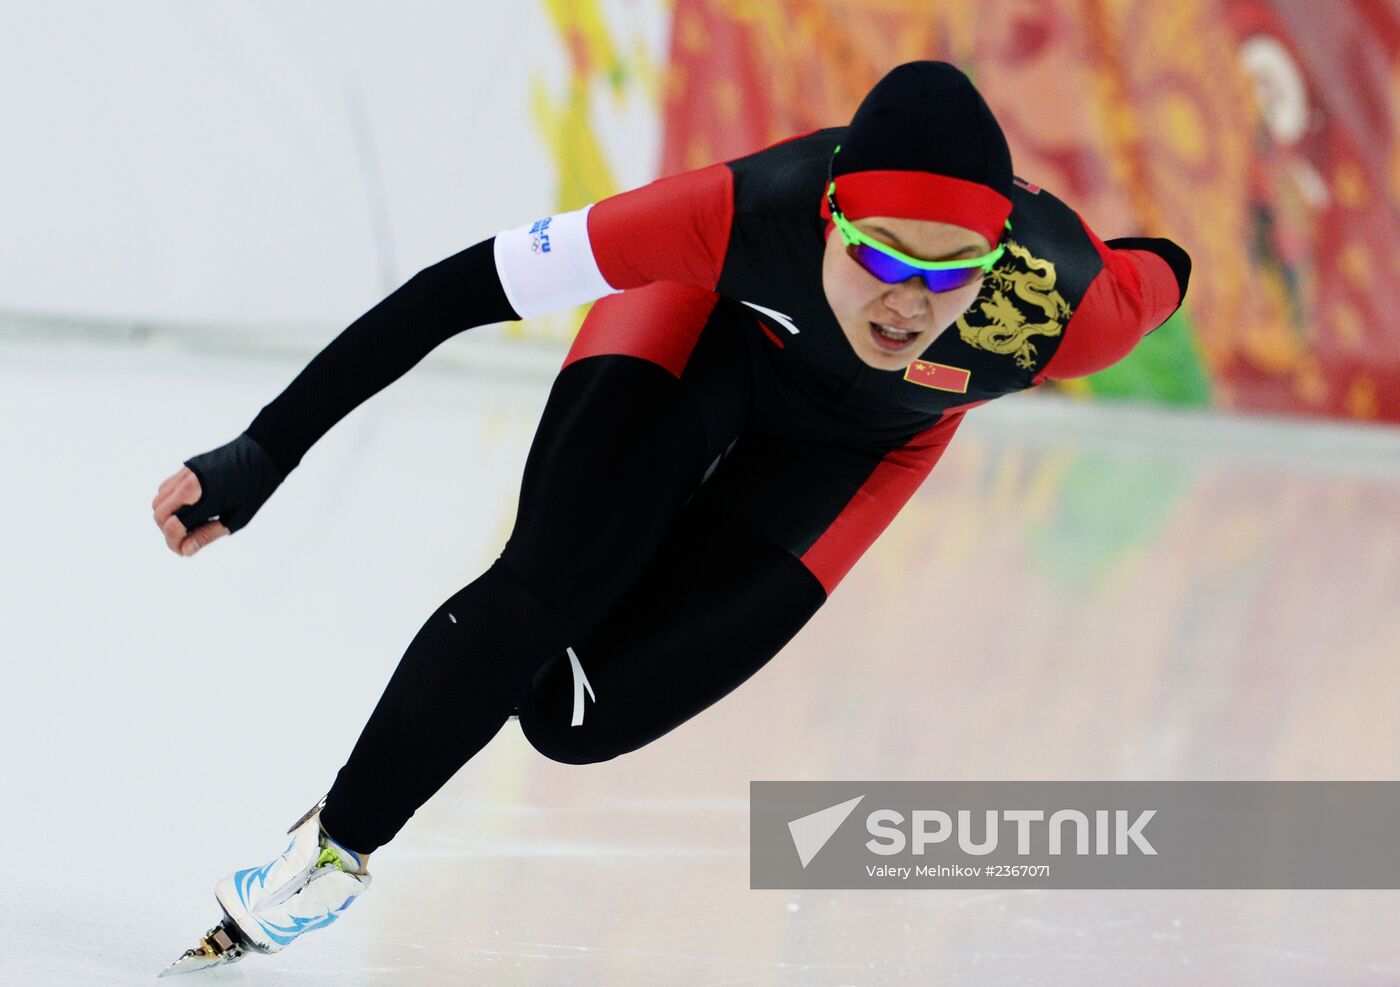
<point x="266" y="908"/>
<point x="305" y="888"/>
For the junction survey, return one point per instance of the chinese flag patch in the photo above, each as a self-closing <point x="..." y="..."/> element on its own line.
<point x="938" y="376"/>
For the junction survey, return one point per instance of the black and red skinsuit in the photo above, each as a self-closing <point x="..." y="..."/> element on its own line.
<point x="712" y="460"/>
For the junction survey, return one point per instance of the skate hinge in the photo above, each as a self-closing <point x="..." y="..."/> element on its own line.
<point x="217" y="942"/>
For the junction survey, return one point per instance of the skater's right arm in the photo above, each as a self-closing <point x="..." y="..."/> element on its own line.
<point x="674" y="229"/>
<point x="219" y="491"/>
<point x="381" y="346"/>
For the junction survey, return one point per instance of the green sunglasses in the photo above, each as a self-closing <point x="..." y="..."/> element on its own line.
<point x="894" y="267"/>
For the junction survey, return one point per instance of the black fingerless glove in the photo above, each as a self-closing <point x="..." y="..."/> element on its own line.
<point x="234" y="481"/>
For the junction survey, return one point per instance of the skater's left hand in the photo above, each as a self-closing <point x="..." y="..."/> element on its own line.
<point x="179" y="490"/>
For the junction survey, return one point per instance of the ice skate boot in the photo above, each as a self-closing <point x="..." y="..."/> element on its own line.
<point x="266" y="908"/>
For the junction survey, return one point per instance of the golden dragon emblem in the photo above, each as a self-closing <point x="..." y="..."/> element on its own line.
<point x="1020" y="288"/>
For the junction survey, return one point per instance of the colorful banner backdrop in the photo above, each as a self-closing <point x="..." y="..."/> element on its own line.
<point x="1260" y="134"/>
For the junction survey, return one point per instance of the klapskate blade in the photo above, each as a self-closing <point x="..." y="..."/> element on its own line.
<point x="217" y="947"/>
<point x="195" y="960"/>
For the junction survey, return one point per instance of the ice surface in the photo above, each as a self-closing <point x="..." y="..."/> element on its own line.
<point x="1078" y="592"/>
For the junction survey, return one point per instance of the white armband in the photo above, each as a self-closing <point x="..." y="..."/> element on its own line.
<point x="549" y="265"/>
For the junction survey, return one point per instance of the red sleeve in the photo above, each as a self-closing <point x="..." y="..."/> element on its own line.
<point x="1137" y="290"/>
<point x="674" y="229"/>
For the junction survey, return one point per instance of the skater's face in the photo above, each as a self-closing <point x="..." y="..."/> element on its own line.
<point x="861" y="302"/>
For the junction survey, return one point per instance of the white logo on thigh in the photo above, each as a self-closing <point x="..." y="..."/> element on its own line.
<point x="580" y="683"/>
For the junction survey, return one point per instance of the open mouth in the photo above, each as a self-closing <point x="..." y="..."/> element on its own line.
<point x="892" y="340"/>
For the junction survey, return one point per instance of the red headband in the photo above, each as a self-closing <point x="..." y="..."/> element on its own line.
<point x="921" y="195"/>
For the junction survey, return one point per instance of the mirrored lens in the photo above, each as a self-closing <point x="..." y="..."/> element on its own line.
<point x="948" y="280"/>
<point x="892" y="270"/>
